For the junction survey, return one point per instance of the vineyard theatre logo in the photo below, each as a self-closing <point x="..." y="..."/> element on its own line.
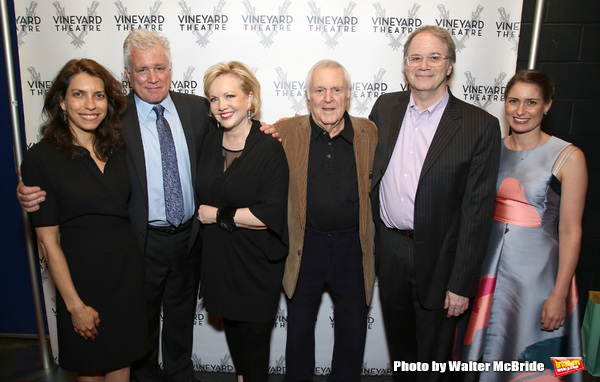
<point x="45" y="271"/>
<point x="196" y="362"/>
<point x="224" y="365"/>
<point x="376" y="371"/>
<point x="281" y="319"/>
<point x="279" y="367"/>
<point x="507" y="29"/>
<point x="125" y="82"/>
<point x="395" y="28"/>
<point x="53" y="299"/>
<point x="186" y="85"/>
<point x="125" y="22"/>
<point x="332" y="316"/>
<point x="77" y="26"/>
<point x="294" y="91"/>
<point x="322" y="370"/>
<point x="28" y="23"/>
<point x="332" y="26"/>
<point x="370" y="319"/>
<point x="483" y="95"/>
<point x="37" y="86"/>
<point x="461" y="29"/>
<point x="267" y="25"/>
<point x="202" y="25"/>
<point x="364" y="93"/>
<point x="199" y="316"/>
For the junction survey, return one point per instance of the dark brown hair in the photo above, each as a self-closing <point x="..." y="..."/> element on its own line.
<point x="534" y="77"/>
<point x="107" y="137"/>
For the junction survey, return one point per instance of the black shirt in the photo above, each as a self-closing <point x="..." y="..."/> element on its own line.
<point x="332" y="189"/>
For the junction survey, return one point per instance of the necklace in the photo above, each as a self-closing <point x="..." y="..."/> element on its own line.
<point x="514" y="149"/>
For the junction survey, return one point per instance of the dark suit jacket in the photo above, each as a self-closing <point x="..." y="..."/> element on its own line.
<point x="193" y="113"/>
<point x="455" y="195"/>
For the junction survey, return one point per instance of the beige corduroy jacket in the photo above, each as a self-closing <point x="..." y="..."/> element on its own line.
<point x="295" y="134"/>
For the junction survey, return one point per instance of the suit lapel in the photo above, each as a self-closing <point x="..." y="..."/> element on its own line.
<point x="133" y="140"/>
<point x="185" y="116"/>
<point x="361" y="146"/>
<point x="448" y="126"/>
<point x="306" y="134"/>
<point x="397" y="115"/>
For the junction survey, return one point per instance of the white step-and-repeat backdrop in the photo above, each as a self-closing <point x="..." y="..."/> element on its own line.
<point x="280" y="40"/>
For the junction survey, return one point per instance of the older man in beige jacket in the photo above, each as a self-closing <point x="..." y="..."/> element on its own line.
<point x="331" y="231"/>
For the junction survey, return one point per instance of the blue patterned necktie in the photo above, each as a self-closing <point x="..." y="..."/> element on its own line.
<point x="171" y="181"/>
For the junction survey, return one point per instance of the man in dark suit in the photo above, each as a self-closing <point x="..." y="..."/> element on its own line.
<point x="433" y="187"/>
<point x="170" y="246"/>
<point x="171" y="250"/>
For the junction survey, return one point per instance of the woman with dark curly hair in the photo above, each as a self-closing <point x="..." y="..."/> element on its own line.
<point x="83" y="230"/>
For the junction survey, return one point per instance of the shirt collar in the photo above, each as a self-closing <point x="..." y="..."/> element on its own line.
<point x="347" y="133"/>
<point x="145" y="109"/>
<point x="440" y="104"/>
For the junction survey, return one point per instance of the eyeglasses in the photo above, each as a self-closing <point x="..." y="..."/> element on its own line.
<point x="416" y="60"/>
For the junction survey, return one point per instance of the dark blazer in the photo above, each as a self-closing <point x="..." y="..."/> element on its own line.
<point x="193" y="113"/>
<point x="455" y="196"/>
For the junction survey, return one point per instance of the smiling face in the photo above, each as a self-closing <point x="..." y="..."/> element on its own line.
<point x="85" y="104"/>
<point x="524" y="107"/>
<point x="150" y="74"/>
<point x="228" y="103"/>
<point x="424" y="79"/>
<point x="328" y="97"/>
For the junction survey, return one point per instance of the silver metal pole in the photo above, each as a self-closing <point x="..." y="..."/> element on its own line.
<point x="31" y="253"/>
<point x="535" y="34"/>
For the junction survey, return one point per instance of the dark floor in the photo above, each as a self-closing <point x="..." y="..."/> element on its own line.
<point x="20" y="361"/>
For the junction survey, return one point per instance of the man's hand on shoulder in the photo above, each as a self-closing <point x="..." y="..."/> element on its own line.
<point x="269" y="130"/>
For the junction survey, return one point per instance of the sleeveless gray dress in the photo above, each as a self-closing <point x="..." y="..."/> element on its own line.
<point x="519" y="271"/>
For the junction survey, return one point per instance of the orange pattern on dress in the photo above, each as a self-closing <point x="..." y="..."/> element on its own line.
<point x="480" y="316"/>
<point x="512" y="206"/>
